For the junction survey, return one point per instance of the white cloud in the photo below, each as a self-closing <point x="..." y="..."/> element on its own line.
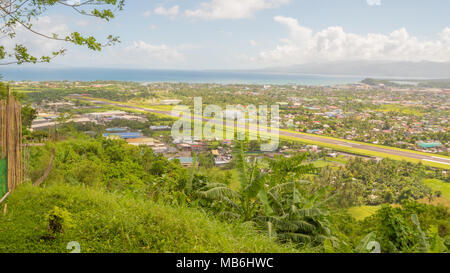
<point x="172" y="12"/>
<point x="147" y="13"/>
<point x="232" y="9"/>
<point x="36" y="44"/>
<point x="143" y="52"/>
<point x="373" y="2"/>
<point x="253" y="43"/>
<point x="334" y="44"/>
<point x="82" y="23"/>
<point x="73" y="2"/>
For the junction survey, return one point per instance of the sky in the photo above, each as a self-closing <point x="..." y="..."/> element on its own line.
<point x="251" y="34"/>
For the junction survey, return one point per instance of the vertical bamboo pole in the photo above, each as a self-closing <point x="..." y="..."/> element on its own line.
<point x="9" y="142"/>
<point x="13" y="139"/>
<point x="3" y="128"/>
<point x="18" y="142"/>
<point x="3" y="134"/>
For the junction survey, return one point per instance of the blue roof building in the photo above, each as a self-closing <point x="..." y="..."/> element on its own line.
<point x="116" y="130"/>
<point x="185" y="161"/>
<point x="124" y="135"/>
<point x="160" y="128"/>
<point x="430" y="145"/>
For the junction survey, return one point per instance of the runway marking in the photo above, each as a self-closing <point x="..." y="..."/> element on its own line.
<point x="348" y="146"/>
<point x="440" y="162"/>
<point x="441" y="158"/>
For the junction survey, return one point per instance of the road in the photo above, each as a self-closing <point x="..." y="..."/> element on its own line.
<point x="300" y="136"/>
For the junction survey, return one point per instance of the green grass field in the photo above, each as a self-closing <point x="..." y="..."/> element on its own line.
<point x="360" y="213"/>
<point x="439" y="185"/>
<point x="416" y="111"/>
<point x="321" y="163"/>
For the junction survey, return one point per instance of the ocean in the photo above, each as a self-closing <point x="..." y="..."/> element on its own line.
<point x="172" y="76"/>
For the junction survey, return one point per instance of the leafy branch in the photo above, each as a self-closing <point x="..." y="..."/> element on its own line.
<point x="16" y="14"/>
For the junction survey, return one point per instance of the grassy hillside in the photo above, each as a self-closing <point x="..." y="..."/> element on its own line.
<point x="107" y="222"/>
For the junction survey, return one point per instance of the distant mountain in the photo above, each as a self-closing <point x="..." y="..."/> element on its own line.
<point x="421" y="70"/>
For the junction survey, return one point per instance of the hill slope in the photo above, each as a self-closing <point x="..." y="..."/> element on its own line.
<point x="105" y="223"/>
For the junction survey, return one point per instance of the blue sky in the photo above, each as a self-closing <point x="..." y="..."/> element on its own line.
<point x="241" y="34"/>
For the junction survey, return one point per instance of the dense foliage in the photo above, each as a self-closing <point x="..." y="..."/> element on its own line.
<point x="367" y="182"/>
<point x="287" y="203"/>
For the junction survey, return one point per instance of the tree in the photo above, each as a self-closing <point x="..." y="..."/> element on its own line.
<point x="63" y="118"/>
<point x="206" y="160"/>
<point x="254" y="145"/>
<point x="22" y="14"/>
<point x="286" y="169"/>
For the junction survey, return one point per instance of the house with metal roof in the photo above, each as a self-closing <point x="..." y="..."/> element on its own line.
<point x="124" y="135"/>
<point x="430" y="145"/>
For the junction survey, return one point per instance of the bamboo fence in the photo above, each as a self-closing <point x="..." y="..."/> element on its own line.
<point x="11" y="140"/>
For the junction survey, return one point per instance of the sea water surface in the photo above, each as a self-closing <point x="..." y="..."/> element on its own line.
<point x="172" y="76"/>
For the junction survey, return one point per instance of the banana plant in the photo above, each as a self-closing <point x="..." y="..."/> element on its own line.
<point x="296" y="216"/>
<point x="244" y="203"/>
<point x="293" y="212"/>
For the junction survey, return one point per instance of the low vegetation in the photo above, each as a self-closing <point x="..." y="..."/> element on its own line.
<point x="110" y="222"/>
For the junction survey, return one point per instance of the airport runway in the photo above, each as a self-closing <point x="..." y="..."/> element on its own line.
<point x="300" y="136"/>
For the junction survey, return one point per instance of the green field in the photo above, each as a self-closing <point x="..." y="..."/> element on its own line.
<point x="360" y="213"/>
<point x="402" y="109"/>
<point x="439" y="185"/>
<point x="321" y="163"/>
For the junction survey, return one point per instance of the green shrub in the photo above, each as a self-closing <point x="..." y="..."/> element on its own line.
<point x="59" y="220"/>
